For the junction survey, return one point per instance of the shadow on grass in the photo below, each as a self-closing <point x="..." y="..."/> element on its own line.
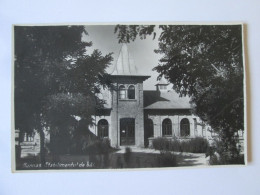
<point x="111" y="160"/>
<point x="191" y="160"/>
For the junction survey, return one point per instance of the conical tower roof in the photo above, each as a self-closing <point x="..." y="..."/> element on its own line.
<point x="124" y="64"/>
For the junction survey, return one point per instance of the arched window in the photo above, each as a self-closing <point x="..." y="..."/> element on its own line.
<point x="149" y="127"/>
<point x="102" y="128"/>
<point x="185" y="127"/>
<point x="167" y="127"/>
<point x="131" y="92"/>
<point x="122" y="92"/>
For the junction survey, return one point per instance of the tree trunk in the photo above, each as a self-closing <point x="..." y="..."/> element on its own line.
<point x="42" y="148"/>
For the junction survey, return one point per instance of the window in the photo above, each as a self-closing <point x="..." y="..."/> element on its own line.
<point x="185" y="127"/>
<point x="195" y="127"/>
<point x="131" y="92"/>
<point x="149" y="128"/>
<point x="203" y="130"/>
<point x="28" y="137"/>
<point x="126" y="92"/>
<point x="102" y="128"/>
<point x="122" y="92"/>
<point x="162" y="86"/>
<point x="167" y="127"/>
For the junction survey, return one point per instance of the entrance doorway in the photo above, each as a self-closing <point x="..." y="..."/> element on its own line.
<point x="127" y="131"/>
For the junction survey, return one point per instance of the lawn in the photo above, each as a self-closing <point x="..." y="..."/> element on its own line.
<point x="115" y="160"/>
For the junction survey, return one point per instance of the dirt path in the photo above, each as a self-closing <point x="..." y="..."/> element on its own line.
<point x="184" y="158"/>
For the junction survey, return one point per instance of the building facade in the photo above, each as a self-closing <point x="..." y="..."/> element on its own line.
<point x="134" y="117"/>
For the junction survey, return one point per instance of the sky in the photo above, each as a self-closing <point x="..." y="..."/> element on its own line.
<point x="142" y="51"/>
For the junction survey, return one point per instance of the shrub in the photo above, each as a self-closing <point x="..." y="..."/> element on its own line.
<point x="222" y="154"/>
<point x="161" y="144"/>
<point x="100" y="146"/>
<point x="166" y="159"/>
<point x="194" y="145"/>
<point x="237" y="160"/>
<point x="225" y="158"/>
<point x="175" y="145"/>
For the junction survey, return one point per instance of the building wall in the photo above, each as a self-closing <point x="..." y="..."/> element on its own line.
<point x="94" y="128"/>
<point x="126" y="108"/>
<point x="29" y="144"/>
<point x="197" y="128"/>
<point x="133" y="108"/>
<point x="175" y="119"/>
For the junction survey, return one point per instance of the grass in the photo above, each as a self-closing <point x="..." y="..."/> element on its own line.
<point x="167" y="159"/>
<point x="99" y="155"/>
<point x="111" y="160"/>
<point x="225" y="159"/>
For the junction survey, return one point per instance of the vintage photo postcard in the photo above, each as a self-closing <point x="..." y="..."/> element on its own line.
<point x="124" y="96"/>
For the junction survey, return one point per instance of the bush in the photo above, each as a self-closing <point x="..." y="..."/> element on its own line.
<point x="161" y="144"/>
<point x="194" y="145"/>
<point x="166" y="159"/>
<point x="175" y="145"/>
<point x="222" y="154"/>
<point x="225" y="159"/>
<point x="100" y="146"/>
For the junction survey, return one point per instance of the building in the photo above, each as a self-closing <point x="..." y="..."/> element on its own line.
<point x="134" y="117"/>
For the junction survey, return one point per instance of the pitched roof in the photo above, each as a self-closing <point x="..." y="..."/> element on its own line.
<point x="168" y="100"/>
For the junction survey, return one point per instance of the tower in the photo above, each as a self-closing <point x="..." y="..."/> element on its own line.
<point x="127" y="114"/>
<point x="161" y="86"/>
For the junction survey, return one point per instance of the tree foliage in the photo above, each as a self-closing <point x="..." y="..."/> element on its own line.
<point x="56" y="78"/>
<point x="204" y="62"/>
<point x="129" y="33"/>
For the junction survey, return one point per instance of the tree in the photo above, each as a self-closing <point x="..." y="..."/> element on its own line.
<point x="204" y="62"/>
<point x="55" y="79"/>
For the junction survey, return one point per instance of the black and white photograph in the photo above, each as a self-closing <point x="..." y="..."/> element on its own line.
<point x="128" y="96"/>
